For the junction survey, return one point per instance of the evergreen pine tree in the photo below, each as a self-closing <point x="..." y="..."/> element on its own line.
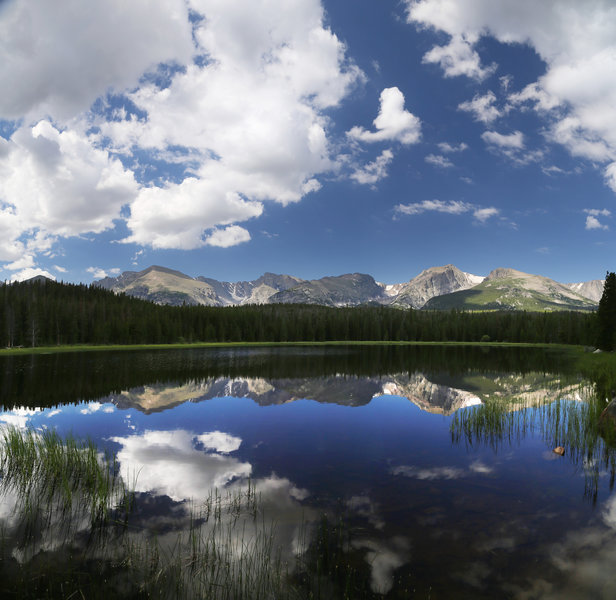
<point x="606" y="315"/>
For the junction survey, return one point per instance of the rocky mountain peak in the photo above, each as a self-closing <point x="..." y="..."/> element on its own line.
<point x="432" y="282"/>
<point x="503" y="273"/>
<point x="165" y="270"/>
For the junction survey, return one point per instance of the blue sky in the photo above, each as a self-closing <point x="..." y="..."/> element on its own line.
<point x="227" y="138"/>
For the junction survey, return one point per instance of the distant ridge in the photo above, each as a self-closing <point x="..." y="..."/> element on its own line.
<point x="433" y="282"/>
<point x="508" y="289"/>
<point x="166" y="286"/>
<point x="436" y="288"/>
<point x="251" y="292"/>
<point x="344" y="290"/>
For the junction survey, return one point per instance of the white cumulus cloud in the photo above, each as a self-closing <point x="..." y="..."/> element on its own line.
<point x="453" y="207"/>
<point x="98" y="273"/>
<point x="594" y="223"/>
<point x="511" y="140"/>
<point x="483" y="214"/>
<point x="448" y="148"/>
<point x="374" y="171"/>
<point x="576" y="96"/>
<point x="459" y="58"/>
<point x="438" y="161"/>
<point x="25" y="262"/>
<point x="234" y="93"/>
<point x="393" y="123"/>
<point x="251" y="116"/>
<point x="482" y="108"/>
<point x="610" y="175"/>
<point x="57" y="58"/>
<point x="512" y="146"/>
<point x="57" y="183"/>
<point x="227" y="237"/>
<point x="177" y="215"/>
<point x="598" y="212"/>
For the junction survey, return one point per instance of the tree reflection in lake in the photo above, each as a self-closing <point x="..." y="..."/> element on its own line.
<point x="44" y="380"/>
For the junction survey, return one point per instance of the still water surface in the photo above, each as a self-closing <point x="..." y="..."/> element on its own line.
<point x="365" y="436"/>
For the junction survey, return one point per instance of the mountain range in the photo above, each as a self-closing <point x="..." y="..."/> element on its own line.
<point x="435" y="288"/>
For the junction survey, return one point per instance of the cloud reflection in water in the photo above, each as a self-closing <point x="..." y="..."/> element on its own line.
<point x="188" y="467"/>
<point x="169" y="463"/>
<point x="384" y="557"/>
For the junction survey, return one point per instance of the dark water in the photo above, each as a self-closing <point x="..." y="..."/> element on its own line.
<point x="364" y="436"/>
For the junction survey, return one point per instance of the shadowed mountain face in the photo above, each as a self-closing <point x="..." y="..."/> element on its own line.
<point x="435" y="288"/>
<point x="345" y="290"/>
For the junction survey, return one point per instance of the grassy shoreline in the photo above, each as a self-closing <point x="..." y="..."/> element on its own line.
<point x="197" y="345"/>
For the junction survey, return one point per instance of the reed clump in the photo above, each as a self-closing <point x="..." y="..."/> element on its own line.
<point x="574" y="424"/>
<point x="60" y="541"/>
<point x="61" y="473"/>
<point x="228" y="551"/>
<point x="65" y="538"/>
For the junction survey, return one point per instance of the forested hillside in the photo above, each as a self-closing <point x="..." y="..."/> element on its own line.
<point x="43" y="313"/>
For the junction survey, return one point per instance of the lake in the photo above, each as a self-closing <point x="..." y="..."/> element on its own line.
<point x="359" y="472"/>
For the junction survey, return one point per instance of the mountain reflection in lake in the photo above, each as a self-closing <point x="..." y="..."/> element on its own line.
<point x="365" y="466"/>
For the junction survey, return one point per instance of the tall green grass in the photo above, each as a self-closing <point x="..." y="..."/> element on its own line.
<point x="228" y="552"/>
<point x="54" y="473"/>
<point x="576" y="425"/>
<point x="65" y="540"/>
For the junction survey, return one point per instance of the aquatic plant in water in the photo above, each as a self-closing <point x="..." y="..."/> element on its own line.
<point x="74" y="531"/>
<point x="50" y="473"/>
<point x="573" y="423"/>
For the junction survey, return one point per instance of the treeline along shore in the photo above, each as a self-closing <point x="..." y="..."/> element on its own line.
<point x="47" y="313"/>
